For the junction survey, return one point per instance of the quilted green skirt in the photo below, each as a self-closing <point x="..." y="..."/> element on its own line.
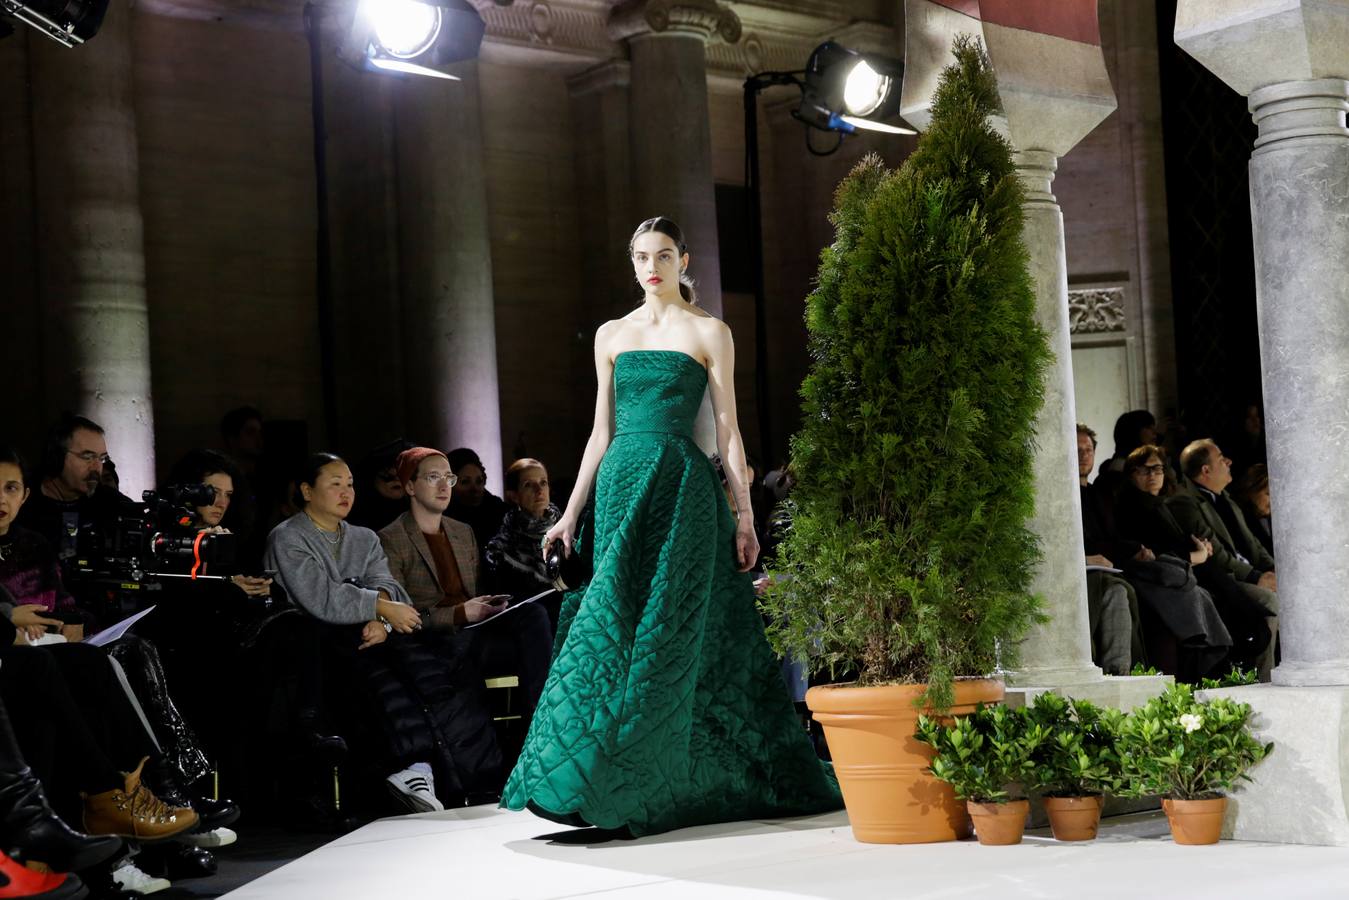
<point x="664" y="706"/>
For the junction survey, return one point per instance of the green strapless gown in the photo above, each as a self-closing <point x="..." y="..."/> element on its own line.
<point x="665" y="706"/>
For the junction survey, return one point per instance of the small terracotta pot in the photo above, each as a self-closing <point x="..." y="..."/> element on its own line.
<point x="1074" y="818"/>
<point x="999" y="824"/>
<point x="1195" y="821"/>
<point x="882" y="766"/>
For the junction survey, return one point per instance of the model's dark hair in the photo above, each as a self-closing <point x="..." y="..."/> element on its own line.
<point x="58" y="441"/>
<point x="9" y="455"/>
<point x="667" y="227"/>
<point x="309" y="474"/>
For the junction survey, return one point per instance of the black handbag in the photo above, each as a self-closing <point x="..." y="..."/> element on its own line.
<point x="570" y="572"/>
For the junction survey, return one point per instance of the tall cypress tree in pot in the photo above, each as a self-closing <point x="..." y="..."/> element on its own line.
<point x="905" y="557"/>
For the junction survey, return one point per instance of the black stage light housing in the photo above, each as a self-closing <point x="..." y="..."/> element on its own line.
<point x="416" y="37"/>
<point x="68" y="22"/>
<point x="845" y="90"/>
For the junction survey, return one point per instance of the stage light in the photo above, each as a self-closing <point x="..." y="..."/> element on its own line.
<point x="845" y="90"/>
<point x="68" y="22"/>
<point x="415" y="37"/>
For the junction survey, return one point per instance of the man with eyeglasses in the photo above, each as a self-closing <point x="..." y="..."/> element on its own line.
<point x="70" y="495"/>
<point x="436" y="560"/>
<point x="1204" y="507"/>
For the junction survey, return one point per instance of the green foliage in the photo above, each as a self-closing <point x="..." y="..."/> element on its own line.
<point x="983" y="755"/>
<point x="1078" y="756"/>
<point x="1235" y="678"/>
<point x="1140" y="669"/>
<point x="907" y="558"/>
<point x="1188" y="749"/>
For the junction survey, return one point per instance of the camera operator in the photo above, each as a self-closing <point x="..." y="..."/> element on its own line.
<point x="70" y="496"/>
<point x="217" y="472"/>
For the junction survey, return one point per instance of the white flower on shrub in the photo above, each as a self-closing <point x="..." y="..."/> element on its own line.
<point x="1191" y="722"/>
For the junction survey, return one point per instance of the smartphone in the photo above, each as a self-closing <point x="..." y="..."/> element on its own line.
<point x="498" y="599"/>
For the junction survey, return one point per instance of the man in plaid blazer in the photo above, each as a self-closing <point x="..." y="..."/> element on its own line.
<point x="435" y="558"/>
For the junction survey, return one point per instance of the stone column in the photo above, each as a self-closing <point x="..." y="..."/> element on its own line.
<point x="600" y="109"/>
<point x="1055" y="90"/>
<point x="445" y="257"/>
<point x="671" y="141"/>
<point x="1291" y="64"/>
<point x="96" y="338"/>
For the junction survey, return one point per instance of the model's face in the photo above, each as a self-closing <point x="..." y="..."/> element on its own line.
<point x="387" y="484"/>
<point x="657" y="263"/>
<point x="1150" y="476"/>
<point x="85" y="456"/>
<point x="13" y="493"/>
<point x="472" y="485"/>
<point x="332" y="492"/>
<point x="1086" y="454"/>
<point x="534" y="492"/>
<point x="432" y="485"/>
<point x="213" y="515"/>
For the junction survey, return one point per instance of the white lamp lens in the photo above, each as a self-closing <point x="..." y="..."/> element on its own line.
<point x="403" y="28"/>
<point x="864" y="90"/>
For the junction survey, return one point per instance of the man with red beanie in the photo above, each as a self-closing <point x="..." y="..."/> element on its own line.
<point x="436" y="560"/>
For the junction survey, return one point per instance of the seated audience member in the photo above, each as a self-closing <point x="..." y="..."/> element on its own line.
<point x="217" y="472"/>
<point x="1112" y="604"/>
<point x="382" y="496"/>
<point x="1143" y="514"/>
<point x="513" y="561"/>
<point x="436" y="560"/>
<point x="363" y="623"/>
<point x="1203" y="507"/>
<point x="32" y="583"/>
<point x="1252" y="495"/>
<point x="1133" y="429"/>
<point x="241" y="434"/>
<point x="472" y="503"/>
<point x="69" y="496"/>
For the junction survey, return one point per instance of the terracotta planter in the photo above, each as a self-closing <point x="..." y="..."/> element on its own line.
<point x="1074" y="818"/>
<point x="880" y="764"/>
<point x="999" y="824"/>
<point x="1195" y="821"/>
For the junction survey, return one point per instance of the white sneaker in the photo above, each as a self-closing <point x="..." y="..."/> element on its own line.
<point x="415" y="791"/>
<point x="220" y="837"/>
<point x="130" y="878"/>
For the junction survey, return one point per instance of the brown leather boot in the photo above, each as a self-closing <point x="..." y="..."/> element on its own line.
<point x="134" y="812"/>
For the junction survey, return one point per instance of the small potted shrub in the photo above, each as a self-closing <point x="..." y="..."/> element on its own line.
<point x="985" y="756"/>
<point x="1193" y="753"/>
<point x="1076" y="763"/>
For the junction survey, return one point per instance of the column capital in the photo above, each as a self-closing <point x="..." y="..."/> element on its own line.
<point x="1297" y="112"/>
<point x="706" y="19"/>
<point x="1035" y="169"/>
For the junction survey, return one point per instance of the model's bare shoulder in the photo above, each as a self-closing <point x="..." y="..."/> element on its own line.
<point x="608" y="335"/>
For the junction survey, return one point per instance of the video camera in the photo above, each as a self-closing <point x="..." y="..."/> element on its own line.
<point x="153" y="539"/>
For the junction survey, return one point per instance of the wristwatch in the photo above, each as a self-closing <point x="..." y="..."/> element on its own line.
<point x="388" y="629"/>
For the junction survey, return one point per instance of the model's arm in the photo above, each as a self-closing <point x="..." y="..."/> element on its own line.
<point x="721" y="385"/>
<point x="601" y="433"/>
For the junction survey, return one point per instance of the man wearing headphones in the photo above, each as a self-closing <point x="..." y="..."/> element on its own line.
<point x="70" y="495"/>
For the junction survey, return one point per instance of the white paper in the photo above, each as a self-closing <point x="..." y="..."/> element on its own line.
<point x="47" y="638"/>
<point x="514" y="606"/>
<point x="1104" y="569"/>
<point x="108" y="635"/>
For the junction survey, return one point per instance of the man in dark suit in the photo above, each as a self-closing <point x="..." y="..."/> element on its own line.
<point x="1203" y="507"/>
<point x="1112" y="603"/>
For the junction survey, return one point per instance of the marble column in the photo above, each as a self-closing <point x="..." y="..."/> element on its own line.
<point x="669" y="127"/>
<point x="96" y="335"/>
<point x="445" y="268"/>
<point x="1291" y="65"/>
<point x="1054" y="89"/>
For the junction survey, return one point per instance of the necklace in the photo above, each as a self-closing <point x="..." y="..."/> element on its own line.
<point x="335" y="539"/>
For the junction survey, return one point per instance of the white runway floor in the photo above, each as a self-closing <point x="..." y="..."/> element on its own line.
<point x="485" y="854"/>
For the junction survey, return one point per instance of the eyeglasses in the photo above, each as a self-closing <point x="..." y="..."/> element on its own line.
<point x="90" y="456"/>
<point x="436" y="479"/>
<point x="1151" y="470"/>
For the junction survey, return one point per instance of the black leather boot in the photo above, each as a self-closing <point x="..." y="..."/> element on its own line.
<point x="168" y="786"/>
<point x="27" y="824"/>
